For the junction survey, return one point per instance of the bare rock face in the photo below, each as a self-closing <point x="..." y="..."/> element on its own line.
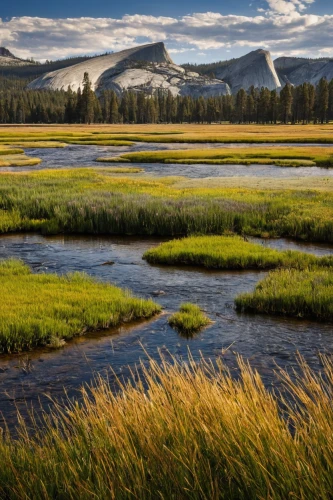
<point x="147" y="69"/>
<point x="300" y="70"/>
<point x="255" y="68"/>
<point x="8" y="59"/>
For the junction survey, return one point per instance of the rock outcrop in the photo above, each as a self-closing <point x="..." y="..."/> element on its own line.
<point x="300" y="70"/>
<point x="255" y="68"/>
<point x="147" y="69"/>
<point x="8" y="59"/>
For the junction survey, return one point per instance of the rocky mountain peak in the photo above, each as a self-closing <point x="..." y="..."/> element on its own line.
<point x="6" y="53"/>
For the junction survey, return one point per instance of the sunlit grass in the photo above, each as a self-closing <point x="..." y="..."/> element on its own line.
<point x="229" y="252"/>
<point x="94" y="202"/>
<point x="39" y="309"/>
<point x="168" y="133"/>
<point x="291" y="157"/>
<point x="291" y="292"/>
<point x="189" y="319"/>
<point x="184" y="431"/>
<point x="17" y="160"/>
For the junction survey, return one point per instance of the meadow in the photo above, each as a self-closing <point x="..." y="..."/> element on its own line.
<point x="304" y="293"/>
<point x="46" y="309"/>
<point x="227" y="133"/>
<point x="93" y="201"/>
<point x="229" y="252"/>
<point x="270" y="155"/>
<point x="189" y="319"/>
<point x="183" y="430"/>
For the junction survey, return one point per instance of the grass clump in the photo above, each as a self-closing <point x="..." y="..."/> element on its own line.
<point x="229" y="252"/>
<point x="183" y="431"/>
<point x="36" y="308"/>
<point x="292" y="292"/>
<point x="189" y="319"/>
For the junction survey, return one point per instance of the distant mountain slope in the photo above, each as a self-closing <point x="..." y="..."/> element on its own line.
<point x="255" y="68"/>
<point x="299" y="70"/>
<point x="146" y="68"/>
<point x="8" y="59"/>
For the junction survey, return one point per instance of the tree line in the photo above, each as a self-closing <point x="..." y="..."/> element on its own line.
<point x="301" y="104"/>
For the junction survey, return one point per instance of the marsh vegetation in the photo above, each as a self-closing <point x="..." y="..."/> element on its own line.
<point x="304" y="293"/>
<point x="92" y="201"/>
<point x="39" y="309"/>
<point x="189" y="319"/>
<point x="229" y="252"/>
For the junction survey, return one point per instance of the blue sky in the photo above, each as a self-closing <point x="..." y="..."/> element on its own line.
<point x="191" y="30"/>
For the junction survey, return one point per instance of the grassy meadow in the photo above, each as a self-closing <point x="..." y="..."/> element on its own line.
<point x="185" y="431"/>
<point x="229" y="252"/>
<point x="189" y="319"/>
<point x="93" y="201"/>
<point x="41" y="309"/>
<point x="226" y="133"/>
<point x="304" y="293"/>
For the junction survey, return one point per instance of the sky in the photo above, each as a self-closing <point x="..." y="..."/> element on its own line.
<point x="193" y="31"/>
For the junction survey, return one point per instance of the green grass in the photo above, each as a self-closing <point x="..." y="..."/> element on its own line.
<point x="183" y="431"/>
<point x="189" y="319"/>
<point x="91" y="201"/>
<point x="291" y="292"/>
<point x="39" y="309"/>
<point x="229" y="252"/>
<point x="291" y="157"/>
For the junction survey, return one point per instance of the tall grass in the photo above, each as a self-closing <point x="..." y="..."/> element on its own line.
<point x="183" y="431"/>
<point x="38" y="309"/>
<point x="189" y="319"/>
<point x="92" y="201"/>
<point x="229" y="252"/>
<point x="300" y="293"/>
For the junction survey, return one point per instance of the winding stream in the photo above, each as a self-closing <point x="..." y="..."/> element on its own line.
<point x="29" y="379"/>
<point x="83" y="156"/>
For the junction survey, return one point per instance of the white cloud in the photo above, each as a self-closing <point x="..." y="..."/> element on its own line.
<point x="283" y="27"/>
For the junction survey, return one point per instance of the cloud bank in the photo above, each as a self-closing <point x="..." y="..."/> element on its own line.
<point x="283" y="27"/>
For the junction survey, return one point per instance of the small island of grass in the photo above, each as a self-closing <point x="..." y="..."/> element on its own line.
<point x="291" y="292"/>
<point x="229" y="252"/>
<point x="41" y="309"/>
<point x="189" y="319"/>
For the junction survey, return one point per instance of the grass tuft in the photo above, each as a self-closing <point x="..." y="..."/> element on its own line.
<point x="189" y="319"/>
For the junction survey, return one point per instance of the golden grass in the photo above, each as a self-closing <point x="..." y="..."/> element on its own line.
<point x="181" y="133"/>
<point x="286" y="157"/>
<point x="39" y="309"/>
<point x="18" y="160"/>
<point x="183" y="431"/>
